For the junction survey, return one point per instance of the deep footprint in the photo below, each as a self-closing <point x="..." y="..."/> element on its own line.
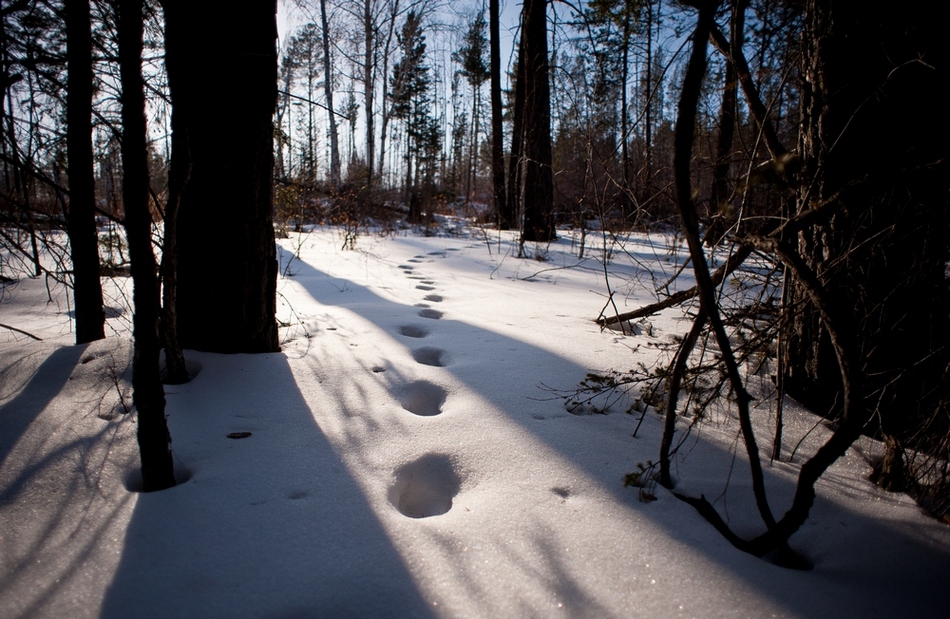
<point x="412" y="331"/>
<point x="435" y="298"/>
<point x="424" y="287"/>
<point x="425" y="487"/>
<point x="430" y="313"/>
<point x="423" y="398"/>
<point x="435" y="357"/>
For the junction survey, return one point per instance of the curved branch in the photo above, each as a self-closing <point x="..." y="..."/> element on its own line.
<point x="733" y="263"/>
<point x="756" y="107"/>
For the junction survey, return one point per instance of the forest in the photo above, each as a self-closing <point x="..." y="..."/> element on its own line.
<point x="792" y="154"/>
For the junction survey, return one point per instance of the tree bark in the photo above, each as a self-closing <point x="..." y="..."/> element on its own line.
<point x="81" y="217"/>
<point x="328" y="92"/>
<point x="180" y="170"/>
<point x="222" y="71"/>
<point x="873" y="146"/>
<point x="515" y="164"/>
<point x="504" y="218"/>
<point x="538" y="225"/>
<point x="148" y="395"/>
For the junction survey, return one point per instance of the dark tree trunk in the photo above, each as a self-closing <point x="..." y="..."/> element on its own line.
<point x="222" y="70"/>
<point x="328" y="92"/>
<point x="515" y="167"/>
<point x="504" y="216"/>
<point x="538" y="225"/>
<point x="626" y="199"/>
<point x="874" y="145"/>
<point x="148" y="394"/>
<point x="369" y="88"/>
<point x="718" y="204"/>
<point x="176" y="371"/>
<point x="81" y="218"/>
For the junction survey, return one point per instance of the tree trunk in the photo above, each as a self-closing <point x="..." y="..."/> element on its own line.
<point x="81" y="218"/>
<point x="222" y="71"/>
<point x="626" y="201"/>
<point x="369" y="87"/>
<point x="873" y="142"/>
<point x="515" y="167"/>
<point x="148" y="394"/>
<point x="328" y="91"/>
<point x="504" y="217"/>
<point x="180" y="170"/>
<point x="538" y="223"/>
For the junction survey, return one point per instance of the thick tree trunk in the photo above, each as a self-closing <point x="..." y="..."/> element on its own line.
<point x="222" y="70"/>
<point x="148" y="394"/>
<point x="873" y="143"/>
<point x="538" y="225"/>
<point x="81" y="218"/>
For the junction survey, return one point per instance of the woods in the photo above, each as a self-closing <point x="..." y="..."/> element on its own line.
<point x="804" y="137"/>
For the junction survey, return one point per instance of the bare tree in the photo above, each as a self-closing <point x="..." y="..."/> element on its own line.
<point x="148" y="395"/>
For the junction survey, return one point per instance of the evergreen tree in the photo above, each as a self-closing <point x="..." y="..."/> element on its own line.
<point x="412" y="103"/>
<point x="473" y="67"/>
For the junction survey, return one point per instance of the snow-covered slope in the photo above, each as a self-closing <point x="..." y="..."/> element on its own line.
<point x="408" y="457"/>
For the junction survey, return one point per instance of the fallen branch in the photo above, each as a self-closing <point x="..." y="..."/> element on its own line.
<point x="21" y="331"/>
<point x="733" y="263"/>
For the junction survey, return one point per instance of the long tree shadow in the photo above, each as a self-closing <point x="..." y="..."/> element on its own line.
<point x="267" y="525"/>
<point x="506" y="371"/>
<point x="46" y="381"/>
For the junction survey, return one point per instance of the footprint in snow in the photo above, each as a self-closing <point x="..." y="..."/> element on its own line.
<point x="413" y="331"/>
<point x="423" y="398"/>
<point x="430" y="313"/>
<point x="435" y="298"/>
<point x="427" y="355"/>
<point x="425" y="487"/>
<point x="424" y="287"/>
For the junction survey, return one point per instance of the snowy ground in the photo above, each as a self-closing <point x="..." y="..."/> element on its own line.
<point x="407" y="458"/>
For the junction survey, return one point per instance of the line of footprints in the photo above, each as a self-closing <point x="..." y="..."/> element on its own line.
<point x="426" y="486"/>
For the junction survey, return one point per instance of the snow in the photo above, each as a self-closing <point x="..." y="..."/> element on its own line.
<point x="409" y="457"/>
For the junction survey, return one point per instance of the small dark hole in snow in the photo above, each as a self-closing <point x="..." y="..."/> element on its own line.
<point x="239" y="434"/>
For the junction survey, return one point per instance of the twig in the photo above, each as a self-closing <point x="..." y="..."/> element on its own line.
<point x="21" y="331"/>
